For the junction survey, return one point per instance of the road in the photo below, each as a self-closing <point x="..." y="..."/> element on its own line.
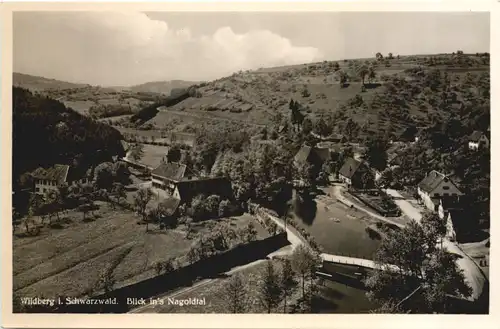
<point x="473" y="274"/>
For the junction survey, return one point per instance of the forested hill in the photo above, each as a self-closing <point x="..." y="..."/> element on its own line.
<point x="45" y="132"/>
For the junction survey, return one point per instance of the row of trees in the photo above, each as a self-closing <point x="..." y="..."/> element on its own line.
<point x="276" y="286"/>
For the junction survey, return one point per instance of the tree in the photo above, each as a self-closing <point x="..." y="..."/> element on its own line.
<point x="269" y="288"/>
<point x="224" y="208"/>
<point x="286" y="281"/>
<point x="86" y="206"/>
<point x="379" y="56"/>
<point x="121" y="172"/>
<point x="234" y="295"/>
<point x="141" y="200"/>
<point x="343" y="77"/>
<point x="362" y="72"/>
<point x="250" y="232"/>
<point x="321" y="128"/>
<point x="418" y="263"/>
<point x="304" y="264"/>
<point x="307" y="126"/>
<point x="434" y="227"/>
<point x="137" y="152"/>
<point x="103" y="175"/>
<point x="390" y="56"/>
<point x="371" y="74"/>
<point x="119" y="192"/>
<point x="376" y="154"/>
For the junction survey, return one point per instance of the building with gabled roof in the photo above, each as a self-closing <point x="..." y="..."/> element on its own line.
<point x="436" y="186"/>
<point x="478" y="139"/>
<point x="168" y="174"/>
<point x="352" y="172"/>
<point x="186" y="190"/>
<point x="49" y="179"/>
<point x="312" y="155"/>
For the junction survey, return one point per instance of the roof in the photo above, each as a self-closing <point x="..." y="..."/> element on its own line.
<point x="431" y="181"/>
<point x="221" y="186"/>
<point x="349" y="167"/>
<point x="125" y="145"/>
<point x="57" y="173"/>
<point x="171" y="170"/>
<point x="475" y="136"/>
<point x="335" y="137"/>
<point x="282" y="128"/>
<point x="170" y="205"/>
<point x="307" y="154"/>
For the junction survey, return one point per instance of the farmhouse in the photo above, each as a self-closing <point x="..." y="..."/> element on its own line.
<point x="311" y="155"/>
<point x="478" y="139"/>
<point x="436" y="186"/>
<point x="46" y="180"/>
<point x="356" y="174"/>
<point x="167" y="175"/>
<point x="186" y="190"/>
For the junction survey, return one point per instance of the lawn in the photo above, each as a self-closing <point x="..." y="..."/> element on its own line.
<point x="153" y="155"/>
<point x="68" y="261"/>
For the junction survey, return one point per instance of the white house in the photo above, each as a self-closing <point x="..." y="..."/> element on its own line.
<point x="436" y="186"/>
<point x="478" y="139"/>
<point x="46" y="180"/>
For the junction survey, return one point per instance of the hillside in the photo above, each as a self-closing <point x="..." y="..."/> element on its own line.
<point x="160" y="87"/>
<point x="45" y="133"/>
<point x="399" y="93"/>
<point x="36" y="83"/>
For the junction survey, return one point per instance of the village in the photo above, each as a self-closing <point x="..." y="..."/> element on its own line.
<point x="166" y="192"/>
<point x="310" y="180"/>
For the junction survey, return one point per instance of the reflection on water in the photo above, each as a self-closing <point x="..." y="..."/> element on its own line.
<point x="305" y="208"/>
<point x="335" y="229"/>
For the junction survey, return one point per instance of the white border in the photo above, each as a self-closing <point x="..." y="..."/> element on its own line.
<point x="371" y="321"/>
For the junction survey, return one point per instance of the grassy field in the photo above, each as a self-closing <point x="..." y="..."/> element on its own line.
<point x="69" y="260"/>
<point x="80" y="106"/>
<point x="153" y="155"/>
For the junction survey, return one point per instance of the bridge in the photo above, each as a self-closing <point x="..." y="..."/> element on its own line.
<point x="360" y="262"/>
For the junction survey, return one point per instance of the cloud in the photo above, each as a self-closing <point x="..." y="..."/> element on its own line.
<point x="123" y="48"/>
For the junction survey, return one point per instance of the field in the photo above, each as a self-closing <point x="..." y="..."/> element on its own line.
<point x="68" y="261"/>
<point x="153" y="155"/>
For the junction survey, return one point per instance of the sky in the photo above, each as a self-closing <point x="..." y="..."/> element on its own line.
<point x="127" y="48"/>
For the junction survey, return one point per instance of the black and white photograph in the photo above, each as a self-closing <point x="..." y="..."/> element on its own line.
<point x="250" y="162"/>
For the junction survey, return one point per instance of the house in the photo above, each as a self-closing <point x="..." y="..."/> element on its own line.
<point x="311" y="155"/>
<point x="436" y="186"/>
<point x="337" y="138"/>
<point x="447" y="204"/>
<point x="353" y="174"/>
<point x="186" y="190"/>
<point x="282" y="129"/>
<point x="46" y="180"/>
<point x="168" y="174"/>
<point x="478" y="139"/>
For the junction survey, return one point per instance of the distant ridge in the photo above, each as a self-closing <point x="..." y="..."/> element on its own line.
<point x="37" y="83"/>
